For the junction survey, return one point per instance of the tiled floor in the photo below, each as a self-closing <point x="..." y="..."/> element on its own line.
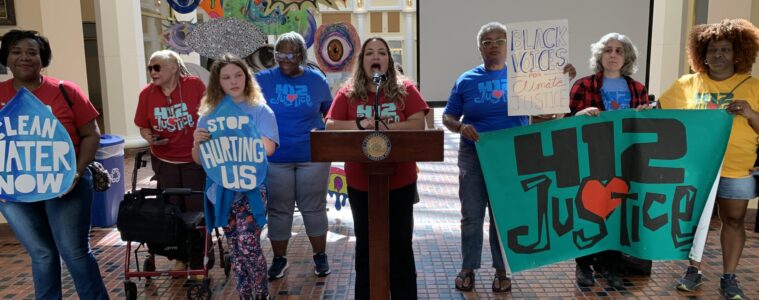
<point x="436" y="246"/>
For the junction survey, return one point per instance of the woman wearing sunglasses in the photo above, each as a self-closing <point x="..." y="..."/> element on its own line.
<point x="167" y="114"/>
<point x="299" y="97"/>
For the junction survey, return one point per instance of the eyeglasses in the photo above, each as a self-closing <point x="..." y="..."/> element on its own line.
<point x="286" y="56"/>
<point x="156" y="68"/>
<point x="492" y="43"/>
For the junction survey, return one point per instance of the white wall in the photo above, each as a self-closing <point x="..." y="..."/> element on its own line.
<point x="448" y="33"/>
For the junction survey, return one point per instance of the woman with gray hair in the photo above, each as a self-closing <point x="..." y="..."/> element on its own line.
<point x="613" y="59"/>
<point x="167" y="114"/>
<point x="299" y="97"/>
<point x="480" y="97"/>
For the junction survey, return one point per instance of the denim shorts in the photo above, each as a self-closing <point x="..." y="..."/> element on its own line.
<point x="737" y="188"/>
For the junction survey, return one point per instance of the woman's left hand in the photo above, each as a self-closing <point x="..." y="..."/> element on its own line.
<point x="73" y="185"/>
<point x="741" y="108"/>
<point x="646" y="106"/>
<point x="201" y="135"/>
<point x="569" y="69"/>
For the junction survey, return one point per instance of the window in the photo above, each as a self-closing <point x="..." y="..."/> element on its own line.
<point x="396" y="50"/>
<point x="385" y="22"/>
<point x="332" y="18"/>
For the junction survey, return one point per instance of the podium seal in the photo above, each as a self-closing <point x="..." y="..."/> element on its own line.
<point x="376" y="146"/>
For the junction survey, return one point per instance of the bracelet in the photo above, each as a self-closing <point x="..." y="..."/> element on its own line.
<point x="358" y="123"/>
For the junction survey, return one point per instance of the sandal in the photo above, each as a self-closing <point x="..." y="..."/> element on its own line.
<point x="465" y="281"/>
<point x="501" y="283"/>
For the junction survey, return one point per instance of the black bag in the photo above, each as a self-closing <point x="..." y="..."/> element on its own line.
<point x="146" y="216"/>
<point x="189" y="248"/>
<point x="631" y="265"/>
<point x="101" y="179"/>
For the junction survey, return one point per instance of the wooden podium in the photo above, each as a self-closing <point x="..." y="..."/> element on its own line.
<point x="368" y="147"/>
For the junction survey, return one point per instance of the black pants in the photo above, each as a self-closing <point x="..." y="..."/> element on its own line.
<point x="184" y="175"/>
<point x="402" y="268"/>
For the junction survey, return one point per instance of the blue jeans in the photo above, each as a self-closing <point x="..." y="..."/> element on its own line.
<point x="737" y="188"/>
<point x="57" y="228"/>
<point x="474" y="199"/>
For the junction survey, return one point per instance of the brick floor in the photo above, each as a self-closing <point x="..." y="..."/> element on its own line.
<point x="436" y="246"/>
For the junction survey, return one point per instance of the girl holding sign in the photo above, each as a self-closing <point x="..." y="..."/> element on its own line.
<point x="613" y="59"/>
<point x="59" y="227"/>
<point x="230" y="76"/>
<point x="722" y="54"/>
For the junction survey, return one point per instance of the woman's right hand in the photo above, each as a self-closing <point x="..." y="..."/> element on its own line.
<point x="469" y="132"/>
<point x="201" y="135"/>
<point x="590" y="111"/>
<point x="158" y="140"/>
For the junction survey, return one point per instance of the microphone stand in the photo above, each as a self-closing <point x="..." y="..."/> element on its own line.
<point x="376" y="107"/>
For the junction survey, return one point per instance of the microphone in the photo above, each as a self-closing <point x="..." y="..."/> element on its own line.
<point x="378" y="78"/>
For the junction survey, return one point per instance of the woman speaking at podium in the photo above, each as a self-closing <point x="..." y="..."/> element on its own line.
<point x="400" y="107"/>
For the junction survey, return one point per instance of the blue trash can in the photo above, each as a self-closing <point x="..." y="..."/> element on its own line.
<point x="105" y="207"/>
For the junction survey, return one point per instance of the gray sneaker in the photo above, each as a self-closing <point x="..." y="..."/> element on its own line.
<point x="690" y="281"/>
<point x="728" y="286"/>
<point x="321" y="267"/>
<point x="278" y="267"/>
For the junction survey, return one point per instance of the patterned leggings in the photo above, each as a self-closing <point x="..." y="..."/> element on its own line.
<point x="248" y="261"/>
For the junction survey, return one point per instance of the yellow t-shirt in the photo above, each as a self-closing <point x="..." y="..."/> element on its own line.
<point x="698" y="91"/>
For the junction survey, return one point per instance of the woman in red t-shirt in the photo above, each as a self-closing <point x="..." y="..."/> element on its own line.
<point x="401" y="108"/>
<point x="59" y="227"/>
<point x="167" y="114"/>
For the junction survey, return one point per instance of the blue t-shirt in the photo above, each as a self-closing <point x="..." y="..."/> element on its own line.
<point x="481" y="97"/>
<point x="298" y="102"/>
<point x="615" y="93"/>
<point x="262" y="116"/>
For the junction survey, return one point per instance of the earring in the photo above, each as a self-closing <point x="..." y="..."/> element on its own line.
<point x="706" y="62"/>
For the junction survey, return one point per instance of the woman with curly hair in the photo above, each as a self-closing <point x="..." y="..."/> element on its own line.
<point x="613" y="60"/>
<point x="722" y="55"/>
<point x="402" y="108"/>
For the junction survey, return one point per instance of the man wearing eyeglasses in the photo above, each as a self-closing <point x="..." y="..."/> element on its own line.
<point x="480" y="97"/>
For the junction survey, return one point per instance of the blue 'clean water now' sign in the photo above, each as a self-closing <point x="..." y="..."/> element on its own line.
<point x="37" y="157"/>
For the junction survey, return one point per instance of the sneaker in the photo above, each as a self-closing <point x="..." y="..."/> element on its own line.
<point x="690" y="281"/>
<point x="321" y="267"/>
<point x="613" y="279"/>
<point x="728" y="286"/>
<point x="278" y="267"/>
<point x="584" y="276"/>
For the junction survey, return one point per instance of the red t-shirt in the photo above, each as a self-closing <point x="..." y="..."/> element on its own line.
<point x="71" y="117"/>
<point x="173" y="117"/>
<point x="344" y="108"/>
